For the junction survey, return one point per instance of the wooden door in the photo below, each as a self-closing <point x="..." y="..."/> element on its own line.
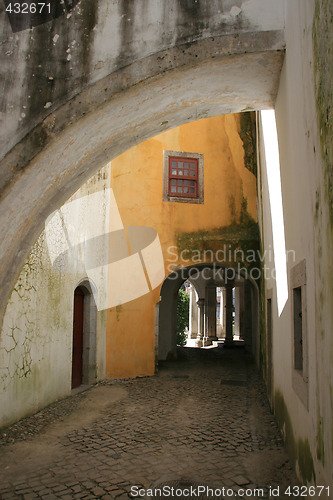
<point x="77" y="338"/>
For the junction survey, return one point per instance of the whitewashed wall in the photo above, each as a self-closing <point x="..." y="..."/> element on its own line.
<point x="36" y="341"/>
<point x="308" y="431"/>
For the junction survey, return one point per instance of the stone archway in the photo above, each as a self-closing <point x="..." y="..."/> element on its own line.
<point x="167" y="308"/>
<point x="71" y="130"/>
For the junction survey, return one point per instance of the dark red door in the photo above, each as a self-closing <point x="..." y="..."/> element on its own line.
<point x="77" y="338"/>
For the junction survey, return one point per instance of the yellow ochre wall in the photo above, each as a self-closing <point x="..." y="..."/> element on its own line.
<point x="137" y="182"/>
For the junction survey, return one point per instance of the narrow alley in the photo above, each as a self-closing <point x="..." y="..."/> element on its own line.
<point x="203" y="420"/>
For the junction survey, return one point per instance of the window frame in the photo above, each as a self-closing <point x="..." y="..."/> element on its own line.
<point x="198" y="196"/>
<point x="300" y="369"/>
<point x="181" y="177"/>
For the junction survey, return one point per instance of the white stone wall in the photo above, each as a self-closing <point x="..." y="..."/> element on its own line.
<point x="308" y="431"/>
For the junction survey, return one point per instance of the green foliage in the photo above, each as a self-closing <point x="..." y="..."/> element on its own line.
<point x="247" y="132"/>
<point x="183" y="304"/>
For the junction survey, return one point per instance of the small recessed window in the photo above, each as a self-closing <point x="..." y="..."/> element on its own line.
<point x="183" y="177"/>
<point x="298" y="329"/>
<point x="299" y="332"/>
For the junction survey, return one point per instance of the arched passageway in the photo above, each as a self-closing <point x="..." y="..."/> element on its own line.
<point x="75" y="119"/>
<point x="206" y="278"/>
<point x="93" y="91"/>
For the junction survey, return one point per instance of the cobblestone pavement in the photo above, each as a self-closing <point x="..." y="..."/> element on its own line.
<point x="203" y="420"/>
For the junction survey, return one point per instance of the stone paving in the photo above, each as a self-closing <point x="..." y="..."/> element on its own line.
<point x="203" y="420"/>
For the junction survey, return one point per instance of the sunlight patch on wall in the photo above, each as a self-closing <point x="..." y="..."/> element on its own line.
<point x="275" y="198"/>
<point x="86" y="237"/>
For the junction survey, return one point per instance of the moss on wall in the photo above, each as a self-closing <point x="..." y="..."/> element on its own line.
<point x="320" y="439"/>
<point x="118" y="312"/>
<point x="239" y="241"/>
<point x="322" y="32"/>
<point x="247" y="132"/>
<point x="331" y="421"/>
<point x="323" y="68"/>
<point x="51" y="74"/>
<point x="263" y="323"/>
<point x="20" y="334"/>
<point x="262" y="296"/>
<point x="298" y="449"/>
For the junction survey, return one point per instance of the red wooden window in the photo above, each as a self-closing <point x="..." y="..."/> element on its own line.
<point x="183" y="177"/>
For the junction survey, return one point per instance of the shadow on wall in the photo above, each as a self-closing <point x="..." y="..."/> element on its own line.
<point x="103" y="245"/>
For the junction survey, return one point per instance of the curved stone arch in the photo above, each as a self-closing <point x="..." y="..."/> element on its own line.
<point x="167" y="311"/>
<point x="126" y="102"/>
<point x="167" y="316"/>
<point x="115" y="46"/>
<point x="83" y="147"/>
<point x="198" y="290"/>
<point x="89" y="287"/>
<point x="186" y="273"/>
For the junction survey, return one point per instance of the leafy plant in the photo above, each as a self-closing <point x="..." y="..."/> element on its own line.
<point x="183" y="304"/>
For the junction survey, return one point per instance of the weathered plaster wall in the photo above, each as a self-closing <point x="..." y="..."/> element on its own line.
<point x="44" y="67"/>
<point x="322" y="34"/>
<point x="303" y="113"/>
<point x="78" y="91"/>
<point x="36" y="338"/>
<point x="227" y="216"/>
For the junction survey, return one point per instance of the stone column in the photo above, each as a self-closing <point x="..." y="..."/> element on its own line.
<point x="228" y="313"/>
<point x="210" y="315"/>
<point x="201" y="317"/>
<point x="248" y="316"/>
<point x="219" y="325"/>
<point x="193" y="326"/>
<point x="241" y="312"/>
<point x="224" y="317"/>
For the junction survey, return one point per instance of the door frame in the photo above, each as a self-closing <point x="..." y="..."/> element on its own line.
<point x="89" y="363"/>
